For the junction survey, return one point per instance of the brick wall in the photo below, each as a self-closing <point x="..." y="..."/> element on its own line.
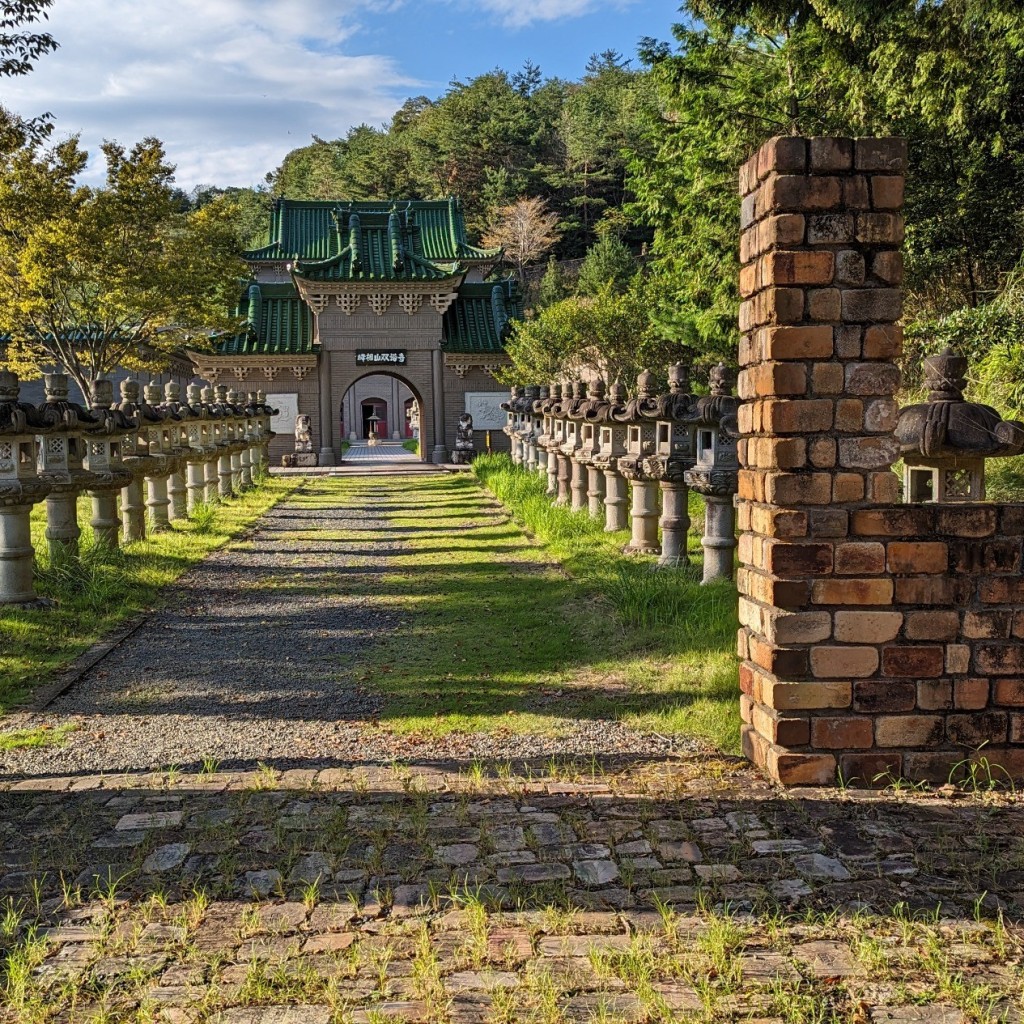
<point x="875" y="637"/>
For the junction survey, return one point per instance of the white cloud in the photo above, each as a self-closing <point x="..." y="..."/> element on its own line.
<point x="523" y="13"/>
<point x="229" y="85"/>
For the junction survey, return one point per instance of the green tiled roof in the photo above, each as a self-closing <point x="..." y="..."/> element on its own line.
<point x="281" y="324"/>
<point x="414" y="240"/>
<point x="477" y="321"/>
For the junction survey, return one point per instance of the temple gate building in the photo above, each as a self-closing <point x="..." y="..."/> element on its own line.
<point x="371" y="309"/>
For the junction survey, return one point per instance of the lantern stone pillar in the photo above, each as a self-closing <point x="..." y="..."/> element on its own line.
<point x="20" y="489"/>
<point x="640" y="435"/>
<point x="158" y="502"/>
<point x="214" y="434"/>
<point x="224" y="467"/>
<point x="103" y="461"/>
<point x="177" y="484"/>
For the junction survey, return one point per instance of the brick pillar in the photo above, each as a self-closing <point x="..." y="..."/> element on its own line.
<point x="821" y="269"/>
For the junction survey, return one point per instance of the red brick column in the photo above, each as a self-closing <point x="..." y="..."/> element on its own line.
<point x="820" y="284"/>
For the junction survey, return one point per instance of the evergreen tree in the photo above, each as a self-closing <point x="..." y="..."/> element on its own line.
<point x="608" y="263"/>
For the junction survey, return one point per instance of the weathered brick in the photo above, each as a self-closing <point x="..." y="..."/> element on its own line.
<point x="879" y="228"/>
<point x="908" y="730"/>
<point x="867" y="627"/>
<point x="850" y="415"/>
<point x="830" y="229"/>
<point x="970" y="694"/>
<point x="887" y="266"/>
<point x="872" y="379"/>
<point x="827" y="378"/>
<point x="958" y="659"/>
<point x="822" y="452"/>
<point x="849" y="340"/>
<point x="865" y="305"/>
<point x="846" y="733"/>
<point x="795" y="192"/>
<point x="798" y="488"/>
<point x="1001" y="591"/>
<point x="850" y="266"/>
<point x="779" y="522"/>
<point x="783" y="154"/>
<point x="887" y="191"/>
<point x="824" y="304"/>
<point x="990" y="625"/>
<point x="781" y="305"/>
<point x="976" y="521"/>
<point x="999" y="659"/>
<point x="883" y="341"/>
<point x="881" y="415"/>
<point x="856" y="195"/>
<point x="871" y="769"/>
<point x="799" y="416"/>
<point x="784" y="229"/>
<point x="921" y="662"/>
<point x="974" y="730"/>
<point x="797" y="343"/>
<point x="883" y="487"/>
<point x="786" y="730"/>
<point x="877" y="696"/>
<point x="935" y="694"/>
<point x="791" y="769"/>
<point x="797" y="627"/>
<point x="852" y="592"/>
<point x="847" y="487"/>
<point x="1009" y="692"/>
<point x="788" y="268"/>
<point x="868" y="452"/>
<point x="829" y="522"/>
<point x="986" y="556"/>
<point x="789" y="559"/>
<point x="933" y="625"/>
<point x="859" y="558"/>
<point x="843" y="662"/>
<point x="886" y="155"/>
<point x="924" y="591"/>
<point x="1011" y="520"/>
<point x="806" y="696"/>
<point x="918" y="557"/>
<point x="831" y="154"/>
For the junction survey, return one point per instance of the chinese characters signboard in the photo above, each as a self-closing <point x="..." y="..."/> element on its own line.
<point x="380" y="359"/>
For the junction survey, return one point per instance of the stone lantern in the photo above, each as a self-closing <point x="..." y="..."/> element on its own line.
<point x="161" y="432"/>
<point x="611" y="437"/>
<point x="537" y="429"/>
<point x="107" y="472"/>
<point x="217" y="434"/>
<point x="526" y="426"/>
<point x="589" y="414"/>
<point x="549" y="437"/>
<point x="225" y="440"/>
<point x="266" y="431"/>
<point x="716" y="473"/>
<point x="675" y="452"/>
<point x="178" y="415"/>
<point x="570" y="448"/>
<point x="512" y="423"/>
<point x="638" y="416"/>
<point x="946" y="440"/>
<point x="62" y="463"/>
<point x="20" y="488"/>
<point x="136" y="457"/>
<point x="252" y="414"/>
<point x="241" y="475"/>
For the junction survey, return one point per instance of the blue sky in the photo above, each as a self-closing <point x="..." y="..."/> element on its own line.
<point x="232" y="85"/>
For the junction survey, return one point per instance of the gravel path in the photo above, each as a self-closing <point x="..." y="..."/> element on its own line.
<point x="251" y="660"/>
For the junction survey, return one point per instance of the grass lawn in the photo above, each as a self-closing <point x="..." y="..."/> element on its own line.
<point x="501" y="632"/>
<point x="102" y="589"/>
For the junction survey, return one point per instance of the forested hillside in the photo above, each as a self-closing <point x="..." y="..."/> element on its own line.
<point x="641" y="156"/>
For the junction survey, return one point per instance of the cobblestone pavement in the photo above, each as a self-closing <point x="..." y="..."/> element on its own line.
<point x="684" y="890"/>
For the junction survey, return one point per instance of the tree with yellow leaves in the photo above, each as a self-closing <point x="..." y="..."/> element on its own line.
<point x="96" y="278"/>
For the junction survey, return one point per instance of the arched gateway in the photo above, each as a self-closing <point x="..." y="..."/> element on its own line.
<point x="347" y="290"/>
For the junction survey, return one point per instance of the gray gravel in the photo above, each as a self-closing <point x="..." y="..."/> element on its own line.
<point x="240" y="671"/>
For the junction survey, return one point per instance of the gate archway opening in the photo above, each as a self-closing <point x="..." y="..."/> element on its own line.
<point x="389" y="404"/>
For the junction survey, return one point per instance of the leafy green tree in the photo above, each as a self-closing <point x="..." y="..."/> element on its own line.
<point x="608" y="263"/>
<point x="553" y="285"/>
<point x="96" y="278"/>
<point x="607" y="334"/>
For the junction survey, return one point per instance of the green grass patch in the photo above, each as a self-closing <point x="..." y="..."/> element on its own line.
<point x="102" y="588"/>
<point x="412" y="445"/>
<point x="501" y="633"/>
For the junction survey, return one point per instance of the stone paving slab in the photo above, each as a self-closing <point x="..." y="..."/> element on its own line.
<point x="305" y="896"/>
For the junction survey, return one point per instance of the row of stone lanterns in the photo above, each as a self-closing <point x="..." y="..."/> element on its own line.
<point x="594" y="447"/>
<point x="164" y="456"/>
